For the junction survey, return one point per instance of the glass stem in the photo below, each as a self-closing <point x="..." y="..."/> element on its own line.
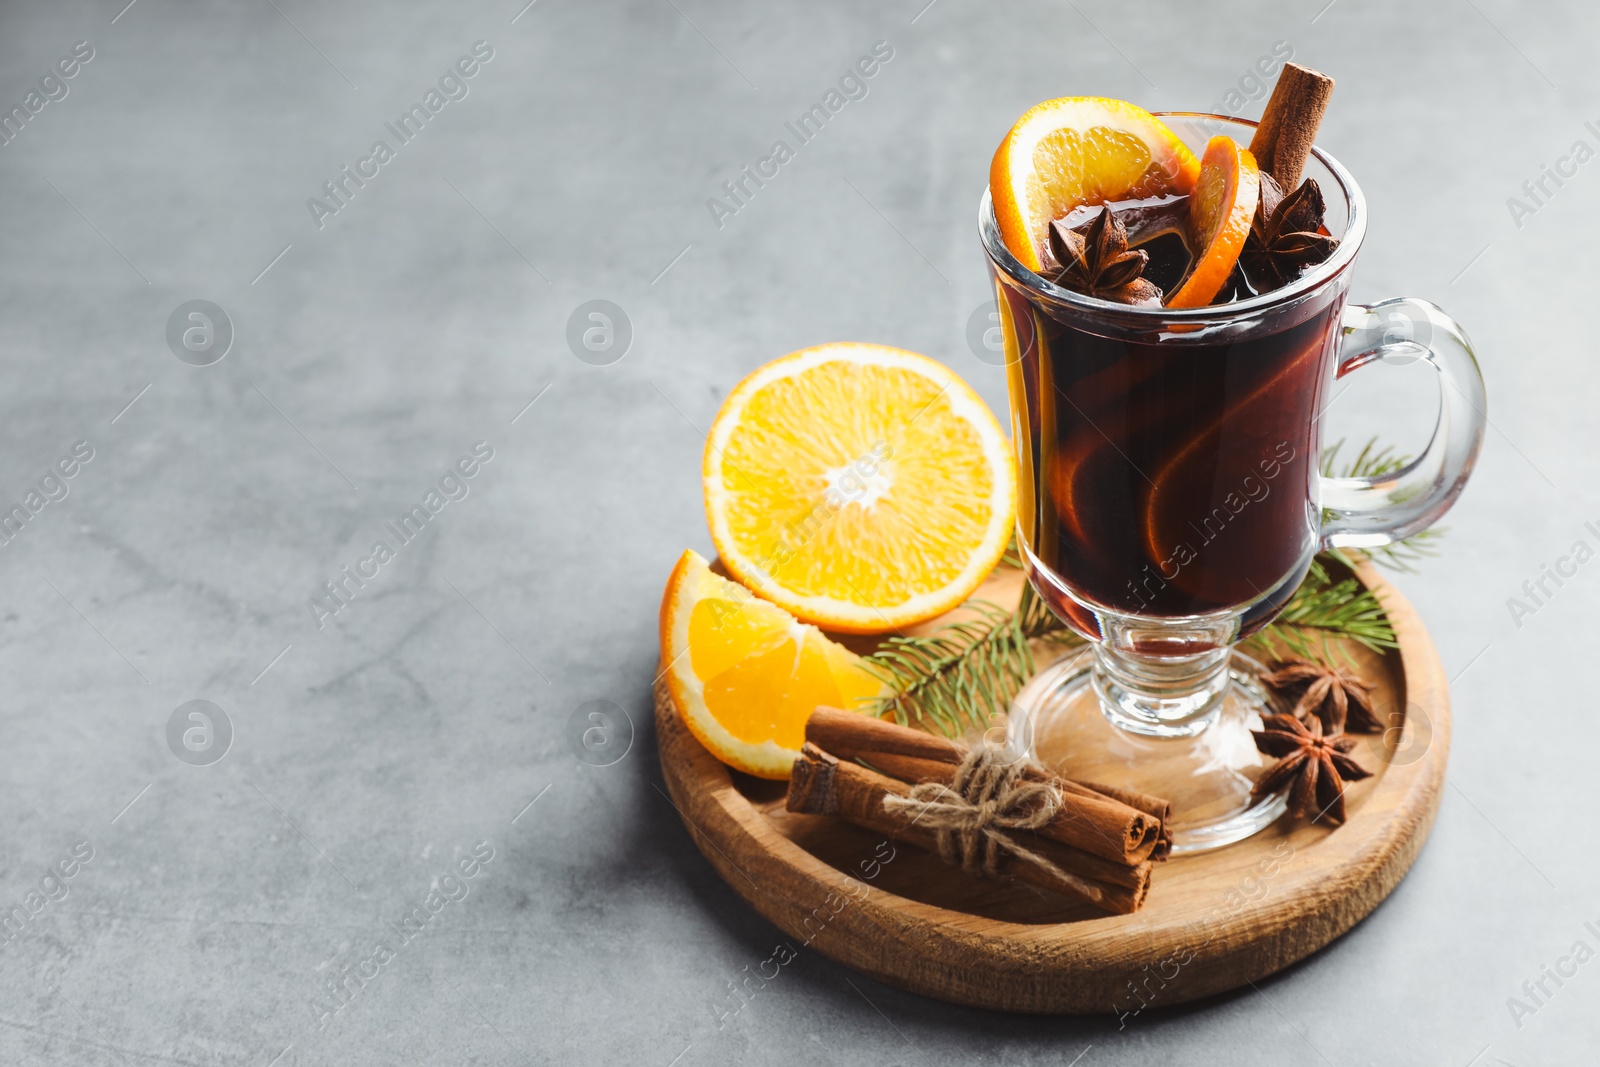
<point x="1161" y="695"/>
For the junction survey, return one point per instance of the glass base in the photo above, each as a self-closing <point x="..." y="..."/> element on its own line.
<point x="1206" y="770"/>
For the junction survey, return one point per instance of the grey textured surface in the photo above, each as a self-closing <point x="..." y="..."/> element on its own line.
<point x="375" y="753"/>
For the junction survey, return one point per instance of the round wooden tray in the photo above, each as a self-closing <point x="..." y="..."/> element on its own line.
<point x="1212" y="922"/>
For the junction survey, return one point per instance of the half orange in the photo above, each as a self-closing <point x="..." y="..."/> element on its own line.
<point x="858" y="487"/>
<point x="1080" y="150"/>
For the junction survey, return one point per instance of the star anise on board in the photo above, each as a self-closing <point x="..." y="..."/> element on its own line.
<point x="1285" y="235"/>
<point x="1314" y="765"/>
<point x="1338" y="698"/>
<point x="1095" y="259"/>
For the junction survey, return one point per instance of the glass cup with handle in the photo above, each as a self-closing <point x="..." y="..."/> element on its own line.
<point x="1170" y="500"/>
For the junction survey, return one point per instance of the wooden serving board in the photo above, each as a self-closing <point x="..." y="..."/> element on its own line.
<point x="1212" y="922"/>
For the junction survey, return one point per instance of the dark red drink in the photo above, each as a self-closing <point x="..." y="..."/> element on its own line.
<point x="1167" y="476"/>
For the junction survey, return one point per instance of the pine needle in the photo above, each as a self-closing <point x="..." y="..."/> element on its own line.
<point x="1012" y="557"/>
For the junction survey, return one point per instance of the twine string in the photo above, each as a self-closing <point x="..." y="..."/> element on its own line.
<point x="970" y="817"/>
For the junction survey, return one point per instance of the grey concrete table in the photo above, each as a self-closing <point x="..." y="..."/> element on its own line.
<point x="406" y="772"/>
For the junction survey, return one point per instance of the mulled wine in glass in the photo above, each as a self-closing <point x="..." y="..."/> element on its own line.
<point x="1170" y="501"/>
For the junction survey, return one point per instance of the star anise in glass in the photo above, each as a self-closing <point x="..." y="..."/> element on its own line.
<point x="1285" y="235"/>
<point x="1338" y="698"/>
<point x="1314" y="765"/>
<point x="1095" y="259"/>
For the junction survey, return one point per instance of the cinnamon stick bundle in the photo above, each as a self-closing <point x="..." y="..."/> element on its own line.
<point x="824" y="785"/>
<point x="1120" y="826"/>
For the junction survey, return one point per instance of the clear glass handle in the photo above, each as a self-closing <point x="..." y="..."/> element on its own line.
<point x="1376" y="511"/>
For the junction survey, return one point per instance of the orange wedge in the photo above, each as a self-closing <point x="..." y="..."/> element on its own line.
<point x="858" y="487"/>
<point x="1080" y="150"/>
<point x="1220" y="209"/>
<point x="745" y="674"/>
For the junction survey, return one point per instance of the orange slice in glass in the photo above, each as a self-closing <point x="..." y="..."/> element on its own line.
<point x="1080" y="150"/>
<point x="1220" y="208"/>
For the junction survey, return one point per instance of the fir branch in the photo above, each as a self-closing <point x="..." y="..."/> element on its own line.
<point x="1373" y="462"/>
<point x="1370" y="462"/>
<point x="1400" y="556"/>
<point x="964" y="673"/>
<point x="1322" y="610"/>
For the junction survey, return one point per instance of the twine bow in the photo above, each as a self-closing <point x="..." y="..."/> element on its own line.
<point x="971" y="815"/>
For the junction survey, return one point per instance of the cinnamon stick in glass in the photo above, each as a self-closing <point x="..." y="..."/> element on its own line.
<point x="824" y="785"/>
<point x="1091" y="820"/>
<point x="1288" y="127"/>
